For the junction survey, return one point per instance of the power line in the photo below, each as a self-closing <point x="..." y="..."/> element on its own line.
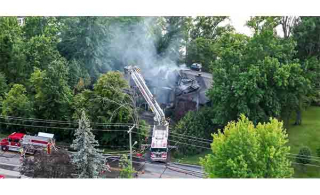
<point x="182" y="135"/>
<point x="190" y="139"/>
<point x="61" y="128"/>
<point x="189" y="144"/>
<point x="304" y="155"/>
<point x="306" y="164"/>
<point x="310" y="157"/>
<point x="173" y="136"/>
<point x="63" y="122"/>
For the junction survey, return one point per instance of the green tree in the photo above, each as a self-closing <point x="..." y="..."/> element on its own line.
<point x="247" y="151"/>
<point x="40" y="25"/>
<point x="52" y="95"/>
<point x="12" y="57"/>
<point x="107" y="103"/>
<point x="88" y="159"/>
<point x="84" y="39"/>
<point x="203" y="34"/>
<point x="3" y="84"/>
<point x="16" y="102"/>
<point x="201" y="51"/>
<point x="307" y="35"/>
<point x="209" y="27"/>
<point x="256" y="76"/>
<point x="194" y="124"/>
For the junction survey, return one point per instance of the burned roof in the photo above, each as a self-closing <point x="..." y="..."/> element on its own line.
<point x="194" y="83"/>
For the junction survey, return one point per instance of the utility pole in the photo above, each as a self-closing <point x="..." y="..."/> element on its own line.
<point x="130" y="143"/>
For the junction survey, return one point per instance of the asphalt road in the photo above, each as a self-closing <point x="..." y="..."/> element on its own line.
<point x="161" y="170"/>
<point x="10" y="163"/>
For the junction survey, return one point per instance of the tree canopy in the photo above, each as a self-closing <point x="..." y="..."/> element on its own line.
<point x="244" y="150"/>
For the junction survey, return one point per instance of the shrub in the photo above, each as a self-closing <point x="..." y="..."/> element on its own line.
<point x="304" y="155"/>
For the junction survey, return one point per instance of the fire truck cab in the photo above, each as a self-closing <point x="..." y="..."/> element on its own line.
<point x="12" y="142"/>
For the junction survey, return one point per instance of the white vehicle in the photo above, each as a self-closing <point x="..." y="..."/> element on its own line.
<point x="159" y="142"/>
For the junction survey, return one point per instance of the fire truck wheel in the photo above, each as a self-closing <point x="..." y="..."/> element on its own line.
<point x="4" y="148"/>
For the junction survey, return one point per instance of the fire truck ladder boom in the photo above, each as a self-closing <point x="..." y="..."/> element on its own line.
<point x="153" y="104"/>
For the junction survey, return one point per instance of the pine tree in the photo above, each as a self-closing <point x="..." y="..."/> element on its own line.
<point x="88" y="159"/>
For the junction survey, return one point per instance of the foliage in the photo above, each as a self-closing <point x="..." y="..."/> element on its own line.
<point x="88" y="159"/>
<point x="16" y="102"/>
<point x="203" y="34"/>
<point x="256" y="76"/>
<point x="52" y="95"/>
<point x="306" y="33"/>
<point x="3" y="88"/>
<point x="201" y="51"/>
<point x="12" y="57"/>
<point x="304" y="155"/>
<point x="82" y="39"/>
<point x="127" y="170"/>
<point x="195" y="124"/>
<point x="3" y="84"/>
<point x="38" y="26"/>
<point x="209" y="27"/>
<point x="318" y="152"/>
<point x="107" y="103"/>
<point x="55" y="165"/>
<point x="248" y="151"/>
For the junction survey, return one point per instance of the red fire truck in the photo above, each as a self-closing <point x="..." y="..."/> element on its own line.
<point x="27" y="143"/>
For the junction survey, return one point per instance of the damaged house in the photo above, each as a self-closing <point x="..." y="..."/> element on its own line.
<point x="177" y="90"/>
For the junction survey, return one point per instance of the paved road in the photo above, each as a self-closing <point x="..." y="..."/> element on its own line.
<point x="160" y="170"/>
<point x="10" y="163"/>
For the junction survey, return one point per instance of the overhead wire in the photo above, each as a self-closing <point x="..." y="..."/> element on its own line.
<point x="63" y="122"/>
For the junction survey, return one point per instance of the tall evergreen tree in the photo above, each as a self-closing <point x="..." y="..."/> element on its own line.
<point x="88" y="159"/>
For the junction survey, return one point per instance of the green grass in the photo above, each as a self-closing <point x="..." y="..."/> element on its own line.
<point x="4" y="135"/>
<point x="194" y="160"/>
<point x="307" y="134"/>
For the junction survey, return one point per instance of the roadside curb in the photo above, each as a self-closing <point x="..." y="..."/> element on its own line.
<point x="187" y="165"/>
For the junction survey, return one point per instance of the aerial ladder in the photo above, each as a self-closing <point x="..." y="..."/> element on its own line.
<point x="160" y="133"/>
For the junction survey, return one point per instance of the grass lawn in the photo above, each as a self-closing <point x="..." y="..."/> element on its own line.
<point x="307" y="134"/>
<point x="4" y="135"/>
<point x="194" y="160"/>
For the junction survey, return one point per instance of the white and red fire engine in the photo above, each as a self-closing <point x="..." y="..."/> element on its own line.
<point x="27" y="143"/>
<point x="159" y="142"/>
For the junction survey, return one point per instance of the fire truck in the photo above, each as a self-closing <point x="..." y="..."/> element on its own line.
<point x="159" y="142"/>
<point x="27" y="143"/>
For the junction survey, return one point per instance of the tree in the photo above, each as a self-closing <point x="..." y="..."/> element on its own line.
<point x="3" y="84"/>
<point x="127" y="170"/>
<point x="3" y="88"/>
<point x="84" y="39"/>
<point x="247" y="151"/>
<point x="16" y="102"/>
<point x="88" y="159"/>
<point x="306" y="33"/>
<point x="194" y="124"/>
<point x="170" y="43"/>
<point x="201" y="51"/>
<point x="12" y="56"/>
<point x="256" y="76"/>
<point x="107" y="103"/>
<point x="209" y="27"/>
<point x="52" y="95"/>
<point x="58" y="164"/>
<point x="40" y="25"/>
<point x="288" y="23"/>
<point x="203" y="34"/>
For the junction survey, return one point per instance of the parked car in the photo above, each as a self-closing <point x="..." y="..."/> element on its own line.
<point x="196" y="66"/>
<point x="2" y="176"/>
